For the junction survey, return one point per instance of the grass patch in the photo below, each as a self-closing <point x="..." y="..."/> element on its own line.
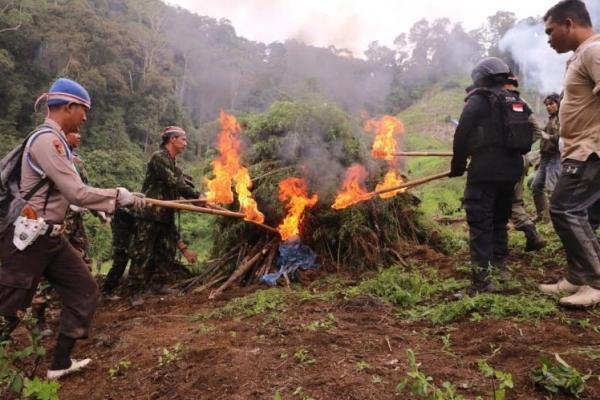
<point x="404" y="288"/>
<point x="260" y="302"/>
<point x="488" y="306"/>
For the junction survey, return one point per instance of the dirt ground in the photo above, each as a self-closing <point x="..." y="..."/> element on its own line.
<point x="360" y="356"/>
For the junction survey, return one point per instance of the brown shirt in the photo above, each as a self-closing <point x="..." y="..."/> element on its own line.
<point x="50" y="154"/>
<point x="579" y="113"/>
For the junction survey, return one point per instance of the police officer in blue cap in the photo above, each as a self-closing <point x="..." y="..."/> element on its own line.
<point x="34" y="247"/>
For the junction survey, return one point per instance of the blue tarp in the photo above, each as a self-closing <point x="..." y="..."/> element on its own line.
<point x="291" y="255"/>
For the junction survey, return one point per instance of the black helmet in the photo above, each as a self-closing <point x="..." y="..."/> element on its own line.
<point x="487" y="69"/>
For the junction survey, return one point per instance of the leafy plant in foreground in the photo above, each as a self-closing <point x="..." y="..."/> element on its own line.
<point x="559" y="377"/>
<point x="504" y="379"/>
<point x="422" y="385"/>
<point x="18" y="367"/>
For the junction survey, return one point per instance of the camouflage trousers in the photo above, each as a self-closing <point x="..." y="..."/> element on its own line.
<point x="123" y="231"/>
<point x="519" y="216"/>
<point x="152" y="253"/>
<point x="76" y="235"/>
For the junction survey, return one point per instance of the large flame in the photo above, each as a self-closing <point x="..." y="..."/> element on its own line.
<point x="228" y="170"/>
<point x="293" y="192"/>
<point x="353" y="190"/>
<point x="390" y="180"/>
<point x="386" y="130"/>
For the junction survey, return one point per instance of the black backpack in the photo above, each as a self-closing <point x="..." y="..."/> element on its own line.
<point x="11" y="200"/>
<point x="509" y="121"/>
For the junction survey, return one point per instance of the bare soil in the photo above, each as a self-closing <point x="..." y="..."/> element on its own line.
<point x="363" y="356"/>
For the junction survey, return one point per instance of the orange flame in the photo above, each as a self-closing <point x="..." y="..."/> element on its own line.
<point x="293" y="192"/>
<point x="386" y="130"/>
<point x="353" y="190"/>
<point x="390" y="180"/>
<point x="227" y="170"/>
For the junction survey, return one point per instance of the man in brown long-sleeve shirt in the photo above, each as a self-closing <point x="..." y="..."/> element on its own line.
<point x="47" y="158"/>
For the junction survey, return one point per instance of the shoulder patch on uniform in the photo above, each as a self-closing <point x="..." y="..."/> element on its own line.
<point x="59" y="147"/>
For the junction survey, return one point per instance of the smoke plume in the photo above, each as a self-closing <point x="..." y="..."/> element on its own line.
<point x="539" y="64"/>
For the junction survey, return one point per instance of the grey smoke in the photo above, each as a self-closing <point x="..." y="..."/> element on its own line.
<point x="539" y="64"/>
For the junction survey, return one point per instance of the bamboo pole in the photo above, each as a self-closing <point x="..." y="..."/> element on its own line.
<point x="424" y="154"/>
<point x="205" y="210"/>
<point x="410" y="184"/>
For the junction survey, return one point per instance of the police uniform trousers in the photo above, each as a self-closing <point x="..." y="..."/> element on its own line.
<point x="55" y="259"/>
<point x="488" y="208"/>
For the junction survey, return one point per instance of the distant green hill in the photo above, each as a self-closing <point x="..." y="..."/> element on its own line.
<point x="428" y="127"/>
<point x="430" y="118"/>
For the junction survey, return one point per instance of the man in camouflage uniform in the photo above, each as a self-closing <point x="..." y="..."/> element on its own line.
<point x="74" y="228"/>
<point x="123" y="230"/>
<point x="549" y="170"/>
<point x="156" y="238"/>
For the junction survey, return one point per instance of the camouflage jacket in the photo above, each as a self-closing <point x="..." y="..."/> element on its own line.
<point x="80" y="167"/>
<point x="164" y="181"/>
<point x="549" y="147"/>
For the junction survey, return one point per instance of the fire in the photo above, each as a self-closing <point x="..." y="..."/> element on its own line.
<point x="386" y="130"/>
<point x="293" y="192"/>
<point x="390" y="180"/>
<point x="228" y="170"/>
<point x="353" y="190"/>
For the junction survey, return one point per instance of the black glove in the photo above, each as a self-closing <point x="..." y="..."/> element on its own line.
<point x="457" y="168"/>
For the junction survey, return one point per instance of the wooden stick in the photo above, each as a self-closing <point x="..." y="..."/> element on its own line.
<point x="424" y="154"/>
<point x="241" y="270"/>
<point x="413" y="183"/>
<point x="205" y="210"/>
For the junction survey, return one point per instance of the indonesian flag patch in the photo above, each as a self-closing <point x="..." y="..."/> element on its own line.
<point x="518" y="107"/>
<point x="59" y="147"/>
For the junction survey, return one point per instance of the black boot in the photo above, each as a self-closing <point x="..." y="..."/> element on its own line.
<point x="501" y="269"/>
<point x="534" y="240"/>
<point x="482" y="282"/>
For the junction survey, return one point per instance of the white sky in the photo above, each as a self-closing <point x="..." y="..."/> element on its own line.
<point x="350" y="23"/>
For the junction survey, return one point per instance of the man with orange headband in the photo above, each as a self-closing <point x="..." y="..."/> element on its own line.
<point x="156" y="238"/>
<point x="32" y="245"/>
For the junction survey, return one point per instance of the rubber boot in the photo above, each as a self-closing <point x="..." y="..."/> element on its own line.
<point x="534" y="240"/>
<point x="541" y="208"/>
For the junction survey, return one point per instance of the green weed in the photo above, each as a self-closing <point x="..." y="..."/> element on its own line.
<point x="402" y="288"/>
<point x="362" y="365"/>
<point x="120" y="369"/>
<point x="318" y="325"/>
<point x="40" y="389"/>
<point x="15" y="363"/>
<point x="302" y="356"/>
<point x="500" y="380"/>
<point x="559" y="377"/>
<point x="422" y="385"/>
<point x="487" y="305"/>
<point x="260" y="302"/>
<point x="170" y="356"/>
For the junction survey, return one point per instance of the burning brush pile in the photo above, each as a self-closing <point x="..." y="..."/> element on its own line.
<point x="331" y="189"/>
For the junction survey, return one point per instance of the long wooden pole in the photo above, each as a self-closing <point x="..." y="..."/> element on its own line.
<point x="205" y="210"/>
<point x="413" y="183"/>
<point x="423" y="154"/>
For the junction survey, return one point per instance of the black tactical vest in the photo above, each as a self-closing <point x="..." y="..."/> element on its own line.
<point x="508" y="124"/>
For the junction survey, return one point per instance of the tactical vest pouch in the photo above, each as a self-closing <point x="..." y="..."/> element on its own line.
<point x="518" y="128"/>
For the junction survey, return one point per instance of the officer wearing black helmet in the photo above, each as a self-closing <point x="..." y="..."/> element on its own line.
<point x="494" y="131"/>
